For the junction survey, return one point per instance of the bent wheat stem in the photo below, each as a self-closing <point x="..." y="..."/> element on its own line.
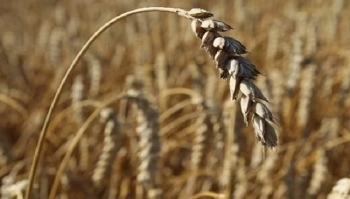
<point x="63" y="82"/>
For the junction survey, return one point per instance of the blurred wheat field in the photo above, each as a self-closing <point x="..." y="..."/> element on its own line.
<point x="301" y="47"/>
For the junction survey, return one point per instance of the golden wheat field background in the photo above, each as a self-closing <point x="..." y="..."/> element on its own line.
<point x="184" y="138"/>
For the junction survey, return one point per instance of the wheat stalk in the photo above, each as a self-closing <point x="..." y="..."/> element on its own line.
<point x="38" y="149"/>
<point x="222" y="49"/>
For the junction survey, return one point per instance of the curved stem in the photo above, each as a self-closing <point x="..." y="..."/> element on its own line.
<point x="174" y="109"/>
<point x="165" y="129"/>
<point x="15" y="105"/>
<point x="53" y="104"/>
<point x="177" y="91"/>
<point x="65" y="113"/>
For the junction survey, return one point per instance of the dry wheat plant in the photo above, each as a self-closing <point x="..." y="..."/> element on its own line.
<point x="175" y="105"/>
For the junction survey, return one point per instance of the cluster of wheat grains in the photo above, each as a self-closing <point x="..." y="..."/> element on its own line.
<point x="226" y="52"/>
<point x="301" y="49"/>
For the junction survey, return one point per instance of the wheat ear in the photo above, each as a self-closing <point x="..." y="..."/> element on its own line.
<point x="111" y="144"/>
<point x="77" y="96"/>
<point x="149" y="142"/>
<point x="226" y="53"/>
<point x="199" y="145"/>
<point x="95" y="75"/>
<point x="319" y="173"/>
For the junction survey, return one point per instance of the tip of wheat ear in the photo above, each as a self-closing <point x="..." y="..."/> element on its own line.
<point x="200" y="13"/>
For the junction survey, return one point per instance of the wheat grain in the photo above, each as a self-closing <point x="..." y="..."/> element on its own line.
<point x="77" y="96"/>
<point x="73" y="27"/>
<point x="341" y="190"/>
<point x="295" y="63"/>
<point x="215" y="25"/>
<point x="311" y="39"/>
<point x="328" y="81"/>
<point x="200" y="137"/>
<point x="161" y="73"/>
<point x="319" y="174"/>
<point x="43" y="37"/>
<point x="10" y="188"/>
<point x="307" y="86"/>
<point x="95" y="75"/>
<point x="277" y="91"/>
<point x="55" y="42"/>
<point x="272" y="42"/>
<point x="239" y="12"/>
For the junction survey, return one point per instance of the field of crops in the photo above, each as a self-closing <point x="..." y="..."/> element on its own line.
<point x="145" y="114"/>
